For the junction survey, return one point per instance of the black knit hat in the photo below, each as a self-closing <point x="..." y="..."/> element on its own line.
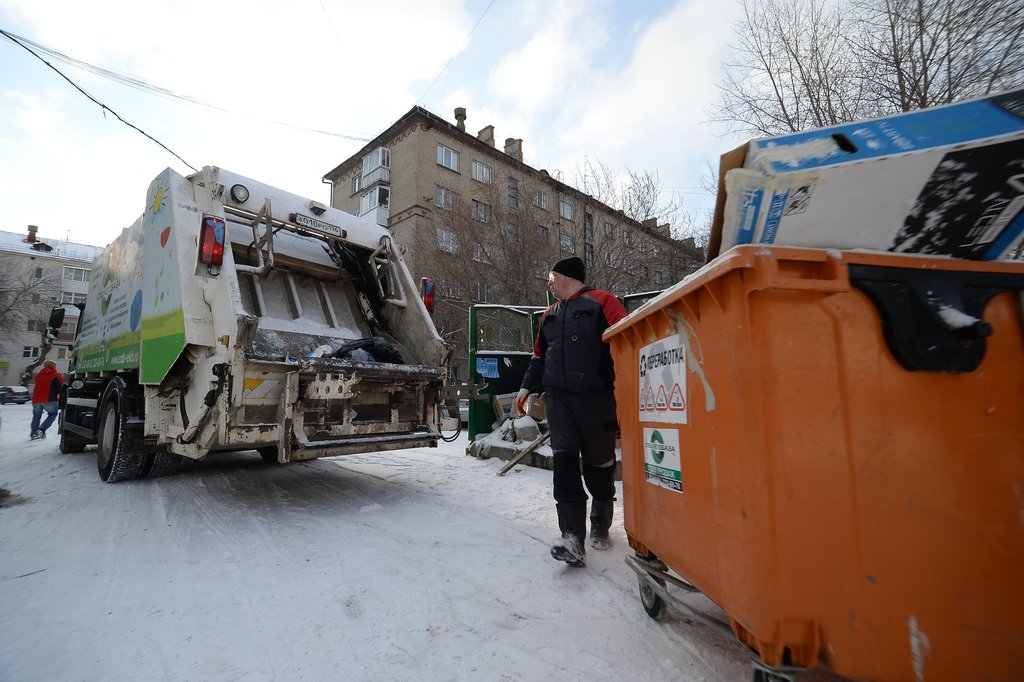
<point x="571" y="267"/>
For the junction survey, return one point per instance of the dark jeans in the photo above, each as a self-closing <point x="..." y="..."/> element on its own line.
<point x="583" y="428"/>
<point x="37" y="412"/>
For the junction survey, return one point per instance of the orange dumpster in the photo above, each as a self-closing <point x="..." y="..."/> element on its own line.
<point x="830" y="446"/>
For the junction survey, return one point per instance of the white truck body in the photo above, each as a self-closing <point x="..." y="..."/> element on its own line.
<point x="309" y="339"/>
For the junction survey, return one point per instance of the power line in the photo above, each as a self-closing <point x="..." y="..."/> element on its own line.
<point x="102" y="106"/>
<point x="143" y="85"/>
<point x="464" y="43"/>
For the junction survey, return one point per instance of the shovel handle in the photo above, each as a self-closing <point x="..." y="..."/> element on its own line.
<point x="523" y="453"/>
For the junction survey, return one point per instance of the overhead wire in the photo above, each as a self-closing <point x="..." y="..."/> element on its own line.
<point x="143" y="85"/>
<point x="102" y="106"/>
<point x="460" y="50"/>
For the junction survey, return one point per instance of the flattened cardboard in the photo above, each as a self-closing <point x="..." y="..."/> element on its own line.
<point x="942" y="181"/>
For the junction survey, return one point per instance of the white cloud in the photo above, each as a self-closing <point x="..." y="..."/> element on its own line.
<point x="604" y="79"/>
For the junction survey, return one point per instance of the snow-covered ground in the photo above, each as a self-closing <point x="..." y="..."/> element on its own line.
<point x="414" y="564"/>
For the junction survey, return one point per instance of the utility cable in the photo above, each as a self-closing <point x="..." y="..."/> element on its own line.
<point x="464" y="43"/>
<point x="145" y="86"/>
<point x="102" y="106"/>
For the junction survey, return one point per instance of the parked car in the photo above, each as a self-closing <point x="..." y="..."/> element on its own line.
<point x="464" y="410"/>
<point x="14" y="394"/>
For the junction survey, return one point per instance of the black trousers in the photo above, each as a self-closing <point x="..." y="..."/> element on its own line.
<point x="583" y="428"/>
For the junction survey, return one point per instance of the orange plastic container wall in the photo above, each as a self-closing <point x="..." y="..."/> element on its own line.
<point x="830" y="446"/>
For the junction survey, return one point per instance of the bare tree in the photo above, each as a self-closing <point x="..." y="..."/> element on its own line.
<point x="920" y="53"/>
<point x="28" y="291"/>
<point x="800" y="64"/>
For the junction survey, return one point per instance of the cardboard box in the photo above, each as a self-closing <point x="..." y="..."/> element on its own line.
<point x="945" y="181"/>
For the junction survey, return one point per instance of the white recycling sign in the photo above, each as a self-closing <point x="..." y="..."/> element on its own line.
<point x="663" y="381"/>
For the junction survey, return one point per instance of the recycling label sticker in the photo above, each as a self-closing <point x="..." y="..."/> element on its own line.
<point x="662" y="464"/>
<point x="663" y="381"/>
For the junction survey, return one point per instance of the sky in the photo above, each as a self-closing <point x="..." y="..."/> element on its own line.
<point x="284" y="92"/>
<point x="415" y="564"/>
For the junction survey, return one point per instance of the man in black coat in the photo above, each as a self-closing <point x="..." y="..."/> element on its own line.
<point x="575" y="368"/>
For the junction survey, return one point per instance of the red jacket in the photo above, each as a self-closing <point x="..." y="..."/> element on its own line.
<point x="48" y="383"/>
<point x="568" y="353"/>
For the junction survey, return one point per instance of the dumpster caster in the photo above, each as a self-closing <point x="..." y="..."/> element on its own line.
<point x="766" y="673"/>
<point x="649" y="598"/>
<point x="765" y="676"/>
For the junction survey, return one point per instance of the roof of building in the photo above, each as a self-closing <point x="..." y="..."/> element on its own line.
<point x="419" y="113"/>
<point x="17" y="242"/>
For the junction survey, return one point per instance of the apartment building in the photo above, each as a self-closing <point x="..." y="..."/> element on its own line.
<point x="35" y="275"/>
<point x="486" y="227"/>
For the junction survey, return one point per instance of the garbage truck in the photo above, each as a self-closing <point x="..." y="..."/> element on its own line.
<point x="233" y="315"/>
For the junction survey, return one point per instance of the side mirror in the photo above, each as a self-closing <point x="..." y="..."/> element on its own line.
<point x="56" y="320"/>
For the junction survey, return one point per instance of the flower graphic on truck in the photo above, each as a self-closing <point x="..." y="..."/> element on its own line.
<point x="158" y="200"/>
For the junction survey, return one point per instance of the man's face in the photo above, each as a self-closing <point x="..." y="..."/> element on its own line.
<point x="560" y="285"/>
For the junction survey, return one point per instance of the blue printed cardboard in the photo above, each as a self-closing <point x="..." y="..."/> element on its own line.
<point x="943" y="181"/>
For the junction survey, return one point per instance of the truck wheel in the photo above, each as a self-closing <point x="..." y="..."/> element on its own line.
<point x="113" y="463"/>
<point x="651" y="601"/>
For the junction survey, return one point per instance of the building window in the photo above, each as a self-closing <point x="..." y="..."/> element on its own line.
<point x="479" y="291"/>
<point x="71" y="297"/>
<point x="609" y="230"/>
<point x="513" y="192"/>
<point x="609" y="258"/>
<point x="30" y="352"/>
<point x="35" y="298"/>
<point x="588" y="225"/>
<point x="643" y="271"/>
<point x="481" y="172"/>
<point x="543" y="231"/>
<point x="378" y="196"/>
<point x="588" y="249"/>
<point x="39" y="273"/>
<point x="445" y="198"/>
<point x="449" y="158"/>
<point x="448" y="286"/>
<point x="481" y="211"/>
<point x="36" y="326"/>
<point x="565" y="209"/>
<point x="480" y="254"/>
<point x="657" y="276"/>
<point x="378" y="158"/>
<point x="357" y="183"/>
<point x="68" y="328"/>
<point x="542" y="270"/>
<point x="70" y="274"/>
<point x="512" y="228"/>
<point x="627" y="238"/>
<point x="540" y="200"/>
<point x="447" y="241"/>
<point x="567" y="243"/>
<point x="62" y="354"/>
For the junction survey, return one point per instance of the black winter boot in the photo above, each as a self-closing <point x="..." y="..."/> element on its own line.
<point x="601" y="512"/>
<point x="572" y="522"/>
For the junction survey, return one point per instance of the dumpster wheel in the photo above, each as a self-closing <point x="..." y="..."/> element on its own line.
<point x="648" y="597"/>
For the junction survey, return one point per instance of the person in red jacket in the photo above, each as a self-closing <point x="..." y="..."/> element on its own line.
<point x="575" y="368"/>
<point x="45" y="396"/>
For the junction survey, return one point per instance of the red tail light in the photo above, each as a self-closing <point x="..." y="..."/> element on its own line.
<point x="211" y="241"/>
<point x="428" y="294"/>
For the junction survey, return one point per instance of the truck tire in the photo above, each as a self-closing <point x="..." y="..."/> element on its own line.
<point x="113" y="463"/>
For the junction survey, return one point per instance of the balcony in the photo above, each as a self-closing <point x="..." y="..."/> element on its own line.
<point x="378" y="214"/>
<point x="380" y="174"/>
